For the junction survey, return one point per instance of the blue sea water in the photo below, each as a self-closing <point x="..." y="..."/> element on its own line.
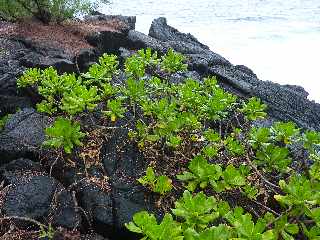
<point x="278" y="39"/>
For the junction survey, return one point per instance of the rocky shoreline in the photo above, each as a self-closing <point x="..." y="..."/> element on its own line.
<point x="95" y="204"/>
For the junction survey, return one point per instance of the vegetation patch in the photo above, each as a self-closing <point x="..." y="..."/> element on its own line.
<point x="44" y="10"/>
<point x="213" y="170"/>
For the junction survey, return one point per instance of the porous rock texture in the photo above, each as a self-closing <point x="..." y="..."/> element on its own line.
<point x="107" y="195"/>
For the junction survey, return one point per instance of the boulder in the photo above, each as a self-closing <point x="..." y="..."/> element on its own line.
<point x="21" y="165"/>
<point x="39" y="55"/>
<point x="10" y="104"/>
<point x="162" y="31"/>
<point x="39" y="197"/>
<point x="98" y="204"/>
<point x="23" y="135"/>
<point x="10" y="69"/>
<point x="85" y="58"/>
<point x="128" y="21"/>
<point x="109" y="208"/>
<point x="124" y="164"/>
<point x="137" y="40"/>
<point x="109" y="40"/>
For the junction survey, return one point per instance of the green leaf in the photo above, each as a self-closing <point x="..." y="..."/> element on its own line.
<point x="186" y="176"/>
<point x="101" y="72"/>
<point x="3" y="121"/>
<point x="135" y="89"/>
<point x="254" y="109"/>
<point x="210" y="151"/>
<point x="149" y="58"/>
<point x="286" y="236"/>
<point x="173" y="62"/>
<point x="300" y="191"/>
<point x="197" y="211"/>
<point x="273" y="157"/>
<point x="146" y="224"/>
<point x="64" y="133"/>
<point x="135" y="67"/>
<point x="223" y="208"/>
<point x="259" y="137"/>
<point x="149" y="178"/>
<point x="221" y="232"/>
<point x="292" y="228"/>
<point x="212" y="136"/>
<point x="115" y="109"/>
<point x="46" y="107"/>
<point x="313" y="233"/>
<point x="163" y="185"/>
<point x="29" y="78"/>
<point x="202" y="173"/>
<point x="250" y="191"/>
<point x="245" y="226"/>
<point x="311" y="139"/>
<point x="79" y="99"/>
<point x="234" y="147"/>
<point x="233" y="176"/>
<point x="174" y="141"/>
<point x="285" y="132"/>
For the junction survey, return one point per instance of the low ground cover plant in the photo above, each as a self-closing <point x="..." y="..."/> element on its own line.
<point x="64" y="133"/>
<point x="3" y="121"/>
<point x="158" y="184"/>
<point x="218" y="175"/>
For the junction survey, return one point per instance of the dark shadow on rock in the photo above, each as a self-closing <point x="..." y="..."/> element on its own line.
<point x="109" y="41"/>
<point x="85" y="58"/>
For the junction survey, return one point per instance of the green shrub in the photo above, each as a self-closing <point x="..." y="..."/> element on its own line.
<point x="149" y="58"/>
<point x="174" y="122"/>
<point x="101" y="73"/>
<point x="203" y="174"/>
<point x="46" y="233"/>
<point x="285" y="132"/>
<point x="135" y="67"/>
<point x="259" y="137"/>
<point x="44" y="10"/>
<point x="246" y="228"/>
<point x="173" y="62"/>
<point x="3" y="121"/>
<point x="234" y="146"/>
<point x="311" y="140"/>
<point x="146" y="224"/>
<point x="64" y="133"/>
<point x="159" y="184"/>
<point x="196" y="211"/>
<point x="273" y="157"/>
<point x="80" y="99"/>
<point x="254" y="109"/>
<point x="30" y="77"/>
<point x="115" y="109"/>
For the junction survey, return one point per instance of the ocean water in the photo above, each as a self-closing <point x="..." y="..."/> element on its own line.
<point x="278" y="39"/>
